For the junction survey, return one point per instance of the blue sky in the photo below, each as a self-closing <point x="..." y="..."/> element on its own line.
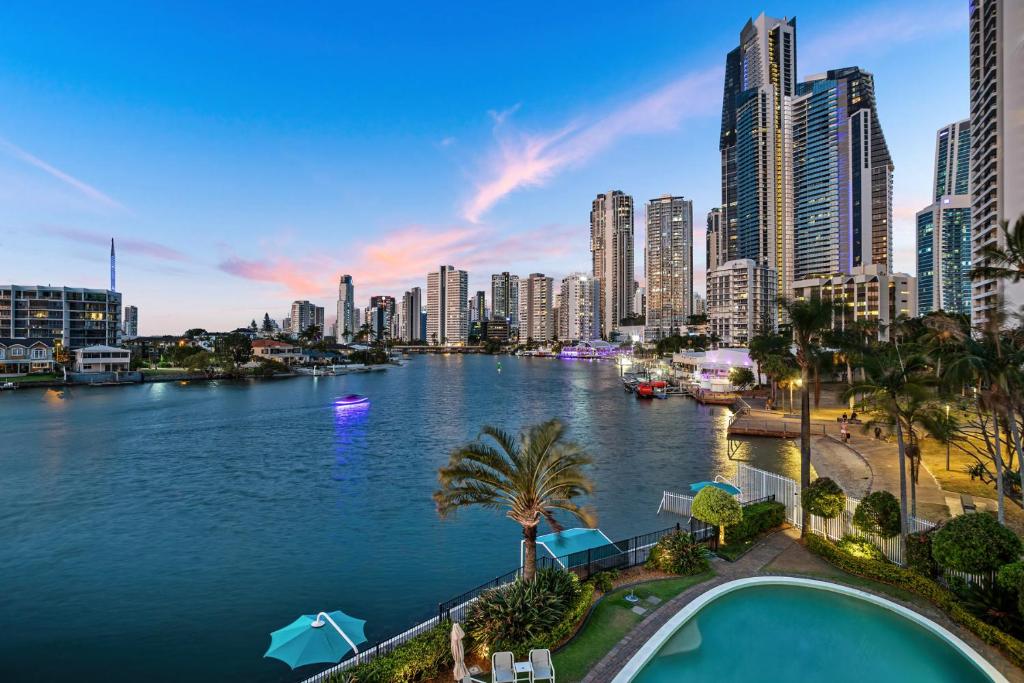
<point x="246" y="155"/>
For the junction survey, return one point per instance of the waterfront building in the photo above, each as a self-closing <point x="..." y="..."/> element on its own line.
<point x="997" y="141"/>
<point x="869" y="293"/>
<point x="838" y="178"/>
<point x="282" y="352"/>
<point x="410" y="316"/>
<point x="382" y="313"/>
<point x="131" y="322"/>
<point x="536" y="308"/>
<point x="944" y="227"/>
<point x="611" y="249"/>
<point x="717" y="246"/>
<point x="68" y="317"/>
<point x="759" y="73"/>
<point x="669" y="259"/>
<point x="25" y="356"/>
<point x="102" y="358"/>
<point x="478" y="307"/>
<point x="495" y="329"/>
<point x="741" y="301"/>
<point x="305" y="315"/>
<point x="505" y="299"/>
<point x="447" y="295"/>
<point x="577" y="308"/>
<point x="345" y="327"/>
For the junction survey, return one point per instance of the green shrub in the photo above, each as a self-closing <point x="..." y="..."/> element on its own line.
<point x="421" y="658"/>
<point x="919" y="554"/>
<point x="757" y="518"/>
<point x="912" y="581"/>
<point x="824" y="498"/>
<point x="678" y="553"/>
<point x="1011" y="576"/>
<point x="878" y="513"/>
<point x="861" y="547"/>
<point x="975" y="543"/>
<point x="604" y="581"/>
<point x="715" y="506"/>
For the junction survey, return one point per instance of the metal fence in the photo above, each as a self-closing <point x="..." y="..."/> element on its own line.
<point x="754" y="483"/>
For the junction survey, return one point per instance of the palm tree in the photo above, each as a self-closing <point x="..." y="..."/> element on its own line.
<point x="944" y="337"/>
<point x="809" y="320"/>
<point x="1003" y="263"/>
<point x="530" y="477"/>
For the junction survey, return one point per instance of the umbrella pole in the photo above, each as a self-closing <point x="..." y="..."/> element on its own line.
<point x="337" y="628"/>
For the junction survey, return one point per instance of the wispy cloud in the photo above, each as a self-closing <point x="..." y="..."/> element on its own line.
<point x="124" y="244"/>
<point x="66" y="178"/>
<point x="530" y="159"/>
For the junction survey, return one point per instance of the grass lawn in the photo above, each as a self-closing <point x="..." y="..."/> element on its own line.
<point x="30" y="379"/>
<point x="734" y="551"/>
<point x="610" y="620"/>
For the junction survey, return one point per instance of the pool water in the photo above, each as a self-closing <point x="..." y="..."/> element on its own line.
<point x="794" y="633"/>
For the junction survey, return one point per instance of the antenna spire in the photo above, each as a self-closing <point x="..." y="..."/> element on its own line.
<point x="113" y="263"/>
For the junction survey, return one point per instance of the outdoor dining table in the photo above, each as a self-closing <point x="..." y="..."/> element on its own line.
<point x="523" y="668"/>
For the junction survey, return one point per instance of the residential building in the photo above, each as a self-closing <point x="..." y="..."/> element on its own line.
<point x="280" y="351"/>
<point x="611" y="249"/>
<point x="944" y="227"/>
<point x="838" y="178"/>
<point x="102" y="358"/>
<point x="68" y="317"/>
<point x="25" y="356"/>
<point x="382" y="313"/>
<point x="496" y="330"/>
<point x="410" y="315"/>
<point x="505" y="299"/>
<point x="536" y="309"/>
<point x="478" y="307"/>
<point x="447" y="295"/>
<point x="577" y="308"/>
<point x="868" y="294"/>
<point x="639" y="301"/>
<point x="669" y="260"/>
<point x="305" y="315"/>
<point x="699" y="305"/>
<point x="717" y="246"/>
<point x="345" y="327"/>
<point x="997" y="141"/>
<point x="741" y="301"/>
<point x="131" y="322"/>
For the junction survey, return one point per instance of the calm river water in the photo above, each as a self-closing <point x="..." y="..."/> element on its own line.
<point x="159" y="532"/>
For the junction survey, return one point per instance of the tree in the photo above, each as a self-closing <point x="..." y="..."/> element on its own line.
<point x="1003" y="263"/>
<point x="741" y="377"/>
<point x="253" y="327"/>
<point x="194" y="332"/>
<point x="765" y="346"/>
<point x="809" y="320"/>
<point x="824" y="498"/>
<point x="310" y="334"/>
<point x="975" y="543"/>
<point x="200" y="361"/>
<point x="715" y="506"/>
<point x="268" y="324"/>
<point x="880" y="514"/>
<point x="531" y="477"/>
<point x="233" y="350"/>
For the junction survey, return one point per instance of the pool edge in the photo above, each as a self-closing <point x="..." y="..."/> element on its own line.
<point x="649" y="648"/>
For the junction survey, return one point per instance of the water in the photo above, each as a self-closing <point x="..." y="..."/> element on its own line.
<point x="161" y="531"/>
<point x="788" y="633"/>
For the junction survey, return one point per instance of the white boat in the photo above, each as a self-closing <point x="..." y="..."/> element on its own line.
<point x="8" y="386"/>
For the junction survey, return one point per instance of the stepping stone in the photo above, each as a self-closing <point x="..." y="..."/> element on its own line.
<point x="653" y="600"/>
<point x="639" y="610"/>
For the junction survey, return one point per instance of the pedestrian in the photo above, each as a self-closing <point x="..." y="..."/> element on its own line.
<point x="878" y="433"/>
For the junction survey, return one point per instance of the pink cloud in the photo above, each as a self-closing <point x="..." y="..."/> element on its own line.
<point x="66" y="178"/>
<point x="129" y="245"/>
<point x="527" y="160"/>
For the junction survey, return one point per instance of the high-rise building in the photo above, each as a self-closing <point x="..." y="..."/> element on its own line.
<point x="577" y="308"/>
<point x="479" y="312"/>
<point x="410" y="315"/>
<point x="759" y="73"/>
<point x="944" y="227"/>
<point x="867" y="294"/>
<point x="536" y="308"/>
<point x="838" y="178"/>
<point x="717" y="246"/>
<point x="447" y="297"/>
<point x="997" y="141"/>
<point x="131" y="322"/>
<point x="699" y="305"/>
<point x="611" y="249"/>
<point x="68" y="317"/>
<point x="669" y="266"/>
<point x="382" y="314"/>
<point x="505" y="298"/>
<point x="639" y="300"/>
<point x="345" y="328"/>
<point x="741" y="301"/>
<point x="305" y="315"/>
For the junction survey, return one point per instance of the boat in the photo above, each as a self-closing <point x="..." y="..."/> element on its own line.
<point x="349" y="400"/>
<point x="644" y="390"/>
<point x="8" y="386"/>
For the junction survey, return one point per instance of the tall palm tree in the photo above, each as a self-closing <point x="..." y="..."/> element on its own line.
<point x="1003" y="263"/>
<point x="531" y="478"/>
<point x="809" y="320"/>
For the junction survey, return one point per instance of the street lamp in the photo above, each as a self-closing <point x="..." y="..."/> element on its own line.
<point x="947" y="437"/>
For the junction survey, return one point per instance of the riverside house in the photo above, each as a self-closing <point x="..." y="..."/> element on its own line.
<point x="25" y="356"/>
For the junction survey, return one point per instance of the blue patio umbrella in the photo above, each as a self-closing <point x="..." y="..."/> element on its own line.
<point x="728" y="488"/>
<point x="319" y="638"/>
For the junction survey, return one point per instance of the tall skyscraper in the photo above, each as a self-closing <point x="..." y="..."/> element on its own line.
<point x="717" y="246"/>
<point x="505" y="298"/>
<point x="997" y="140"/>
<point x="410" y="315"/>
<point x="838" y="178"/>
<point x="944" y="227"/>
<point x="447" y="297"/>
<point x="611" y="249"/>
<point x="536" y="308"/>
<point x="669" y="266"/>
<point x="131" y="322"/>
<point x="345" y="328"/>
<point x="577" y="308"/>
<point x="759" y="73"/>
<point x="305" y="315"/>
<point x="382" y="312"/>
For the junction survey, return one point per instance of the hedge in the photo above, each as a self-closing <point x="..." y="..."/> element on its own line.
<point x="905" y="579"/>
<point x="757" y="518"/>
<point x="420" y="658"/>
<point x="975" y="542"/>
<point x="919" y="554"/>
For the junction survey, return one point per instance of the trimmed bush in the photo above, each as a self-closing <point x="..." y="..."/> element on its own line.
<point x="975" y="543"/>
<point x="861" y="547"/>
<point x="1011" y="576"/>
<point x="919" y="554"/>
<point x="715" y="506"/>
<point x="678" y="553"/>
<point x="421" y="658"/>
<point x="604" y="581"/>
<point x="912" y="581"/>
<point x="757" y="518"/>
<point x="824" y="498"/>
<point x="878" y="513"/>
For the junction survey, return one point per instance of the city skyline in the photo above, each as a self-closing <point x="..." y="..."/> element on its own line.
<point x="516" y="166"/>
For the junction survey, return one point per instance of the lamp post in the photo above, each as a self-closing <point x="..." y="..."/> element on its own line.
<point x="947" y="438"/>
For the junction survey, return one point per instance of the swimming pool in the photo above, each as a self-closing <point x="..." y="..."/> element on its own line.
<point x="788" y="629"/>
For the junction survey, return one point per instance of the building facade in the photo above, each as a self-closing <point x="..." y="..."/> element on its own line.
<point x="305" y="315"/>
<point x="717" y="246"/>
<point x="997" y="141"/>
<point x="102" y="358"/>
<point x="505" y="299"/>
<point x="669" y="266"/>
<point x="944" y="227"/>
<point x="410" y="315"/>
<point x="611" y="249"/>
<point x="131" y="322"/>
<point x="447" y="298"/>
<point x="741" y="300"/>
<point x="25" y="356"/>
<point x="345" y="327"/>
<point x="577" y="308"/>
<point x="536" y="309"/>
<point x="382" y="314"/>
<point x="869" y="294"/>
<point x="68" y="317"/>
<point x="280" y="351"/>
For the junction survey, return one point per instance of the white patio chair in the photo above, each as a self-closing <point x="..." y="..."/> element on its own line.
<point x="503" y="667"/>
<point x="543" y="669"/>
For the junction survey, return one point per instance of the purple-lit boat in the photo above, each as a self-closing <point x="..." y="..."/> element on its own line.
<point x="352" y="400"/>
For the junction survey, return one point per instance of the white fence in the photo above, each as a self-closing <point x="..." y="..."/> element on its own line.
<point x="675" y="503"/>
<point x="754" y="483"/>
<point x="892" y="548"/>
